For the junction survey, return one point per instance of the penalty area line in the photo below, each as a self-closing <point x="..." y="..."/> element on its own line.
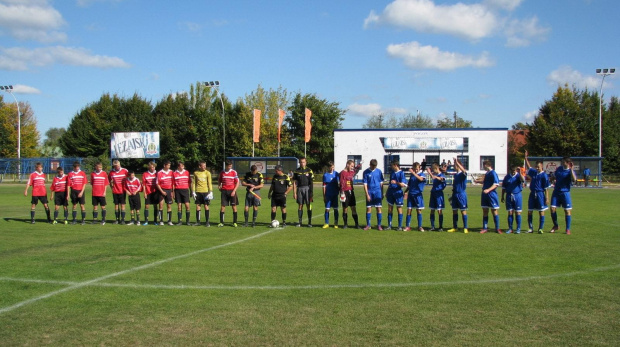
<point x="94" y="281"/>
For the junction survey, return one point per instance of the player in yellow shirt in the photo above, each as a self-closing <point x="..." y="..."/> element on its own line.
<point x="202" y="191"/>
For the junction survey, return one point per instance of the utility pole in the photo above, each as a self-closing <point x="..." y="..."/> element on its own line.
<point x="455" y="123"/>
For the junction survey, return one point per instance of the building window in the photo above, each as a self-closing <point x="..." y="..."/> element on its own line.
<point x="430" y="159"/>
<point x="464" y="159"/>
<point x="356" y="158"/>
<point x="484" y="158"/>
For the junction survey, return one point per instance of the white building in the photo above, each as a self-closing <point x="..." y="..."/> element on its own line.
<point x="471" y="145"/>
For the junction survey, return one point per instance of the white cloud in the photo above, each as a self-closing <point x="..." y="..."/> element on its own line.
<point x="567" y="75"/>
<point x="417" y="56"/>
<point x="369" y="110"/>
<point x="530" y="116"/>
<point x="18" y="58"/>
<point x="508" y="5"/>
<point x="22" y="89"/>
<point x="86" y="3"/>
<point x="190" y="26"/>
<point x="521" y="33"/>
<point x="32" y="20"/>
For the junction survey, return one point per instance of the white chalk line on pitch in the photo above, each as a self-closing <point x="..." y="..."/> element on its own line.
<point x="78" y="285"/>
<point x="94" y="283"/>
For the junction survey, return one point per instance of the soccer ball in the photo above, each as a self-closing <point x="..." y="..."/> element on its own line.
<point x="275" y="223"/>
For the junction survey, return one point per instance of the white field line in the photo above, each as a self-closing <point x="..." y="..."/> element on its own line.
<point x="316" y="286"/>
<point x="79" y="285"/>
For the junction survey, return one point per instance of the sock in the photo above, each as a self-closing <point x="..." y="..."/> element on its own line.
<point x="300" y="214"/>
<point x="530" y="220"/>
<point x="465" y="219"/>
<point x="246" y="215"/>
<point x="55" y="215"/>
<point x="146" y="215"/>
<point x="419" y="220"/>
<point x="66" y="213"/>
<point x="310" y="215"/>
<point x="254" y="216"/>
<point x="432" y="220"/>
<point x="345" y="218"/>
<point x="198" y="216"/>
<point x="179" y="216"/>
<point x="273" y="215"/>
<point x="117" y="214"/>
<point x="441" y="221"/>
<point x="95" y="215"/>
<point x="379" y="218"/>
<point x="160" y="216"/>
<point x="496" y="221"/>
<point x="554" y="218"/>
<point x="541" y="224"/>
<point x="400" y="220"/>
<point x="336" y="217"/>
<point x="138" y="216"/>
<point x="356" y="220"/>
<point x="518" y="222"/>
<point x="103" y="213"/>
<point x="390" y="217"/>
<point x="510" y="220"/>
<point x="568" y="219"/>
<point x="83" y="215"/>
<point x="47" y="212"/>
<point x="169" y="216"/>
<point x="367" y="218"/>
<point x="408" y="223"/>
<point x="326" y="217"/>
<point x="207" y="216"/>
<point x="31" y="214"/>
<point x="485" y="222"/>
<point x="74" y="214"/>
<point x="123" y="216"/>
<point x="455" y="220"/>
<point x="221" y="217"/>
<point x="234" y="216"/>
<point x="187" y="216"/>
<point x="283" y="217"/>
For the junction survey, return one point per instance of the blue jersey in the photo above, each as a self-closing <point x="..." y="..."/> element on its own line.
<point x="563" y="179"/>
<point x="416" y="186"/>
<point x="399" y="177"/>
<point x="459" y="184"/>
<point x="439" y="185"/>
<point x="512" y="184"/>
<point x="540" y="180"/>
<point x="490" y="178"/>
<point x="373" y="179"/>
<point x="331" y="183"/>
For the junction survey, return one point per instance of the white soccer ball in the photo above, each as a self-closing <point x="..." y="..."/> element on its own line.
<point x="275" y="223"/>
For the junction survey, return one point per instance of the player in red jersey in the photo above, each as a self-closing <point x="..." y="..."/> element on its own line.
<point x="99" y="182"/>
<point x="133" y="187"/>
<point x="117" y="179"/>
<point x="228" y="183"/>
<point x="347" y="194"/>
<point x="75" y="190"/>
<point x="181" y="192"/>
<point x="59" y="190"/>
<point x="151" y="194"/>
<point x="39" y="193"/>
<point x="165" y="186"/>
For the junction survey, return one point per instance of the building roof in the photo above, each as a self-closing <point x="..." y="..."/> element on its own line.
<point x="426" y="129"/>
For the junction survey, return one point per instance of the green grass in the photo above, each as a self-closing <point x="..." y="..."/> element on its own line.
<point x="300" y="286"/>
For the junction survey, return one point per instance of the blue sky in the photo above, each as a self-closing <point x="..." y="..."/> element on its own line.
<point x="494" y="62"/>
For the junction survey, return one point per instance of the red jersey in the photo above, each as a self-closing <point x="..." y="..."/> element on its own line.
<point x="228" y="180"/>
<point x="133" y="186"/>
<point x="117" y="178"/>
<point x="148" y="182"/>
<point x="37" y="181"/>
<point x="99" y="181"/>
<point x="346" y="180"/>
<point x="59" y="184"/>
<point x="181" y="179"/>
<point x="76" y="179"/>
<point x="165" y="179"/>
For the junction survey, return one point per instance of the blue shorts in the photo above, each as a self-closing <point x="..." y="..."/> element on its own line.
<point x="415" y="201"/>
<point x="437" y="201"/>
<point x="459" y="202"/>
<point x="395" y="197"/>
<point x="561" y="199"/>
<point x="537" y="202"/>
<point x="514" y="202"/>
<point x="331" y="201"/>
<point x="376" y="199"/>
<point x="489" y="200"/>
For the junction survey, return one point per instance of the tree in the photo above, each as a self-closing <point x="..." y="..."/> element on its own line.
<point x="456" y="122"/>
<point x="269" y="102"/>
<point x="611" y="140"/>
<point x="382" y="121"/>
<point x="30" y="136"/>
<point x="418" y="121"/>
<point x="51" y="144"/>
<point x="326" y="116"/>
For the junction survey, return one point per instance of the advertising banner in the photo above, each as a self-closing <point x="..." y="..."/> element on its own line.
<point x="424" y="143"/>
<point x="134" y="145"/>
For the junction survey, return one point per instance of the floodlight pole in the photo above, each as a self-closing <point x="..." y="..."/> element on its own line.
<point x="215" y="85"/>
<point x="604" y="73"/>
<point x="9" y="89"/>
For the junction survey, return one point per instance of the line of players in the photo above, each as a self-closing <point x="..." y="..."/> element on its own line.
<point x="161" y="186"/>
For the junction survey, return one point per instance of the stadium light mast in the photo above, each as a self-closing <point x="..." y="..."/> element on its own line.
<point x="9" y="89"/>
<point x="604" y="73"/>
<point x="216" y="85"/>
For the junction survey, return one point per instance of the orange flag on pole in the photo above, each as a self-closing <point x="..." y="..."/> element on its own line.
<point x="308" y="125"/>
<point x="280" y="120"/>
<point x="256" y="125"/>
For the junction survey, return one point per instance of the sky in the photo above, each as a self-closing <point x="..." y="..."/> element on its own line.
<point x="494" y="62"/>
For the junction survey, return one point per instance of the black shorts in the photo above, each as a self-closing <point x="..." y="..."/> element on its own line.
<point x="201" y="199"/>
<point x="99" y="200"/>
<point x="134" y="202"/>
<point x="181" y="196"/>
<point x="349" y="196"/>
<point x="74" y="197"/>
<point x="60" y="199"/>
<point x="35" y="199"/>
<point x="251" y="200"/>
<point x="304" y="195"/>
<point x="168" y="197"/>
<point x="278" y="201"/>
<point x="119" y="199"/>
<point x="228" y="199"/>
<point x="151" y="199"/>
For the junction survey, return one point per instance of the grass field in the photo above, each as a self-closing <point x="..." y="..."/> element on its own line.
<point x="130" y="285"/>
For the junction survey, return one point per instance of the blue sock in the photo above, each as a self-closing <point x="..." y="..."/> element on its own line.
<point x="455" y="220"/>
<point x="485" y="222"/>
<point x="518" y="222"/>
<point x="554" y="218"/>
<point x="379" y="218"/>
<point x="327" y="217"/>
<point x="568" y="218"/>
<point x="465" y="219"/>
<point x="432" y="220"/>
<point x="419" y="220"/>
<point x="496" y="221"/>
<point x="390" y="216"/>
<point x="510" y="220"/>
<point x="530" y="221"/>
<point x="368" y="218"/>
<point x="441" y="221"/>
<point x="335" y="217"/>
<point x="541" y="225"/>
<point x="408" y="220"/>
<point x="400" y="220"/>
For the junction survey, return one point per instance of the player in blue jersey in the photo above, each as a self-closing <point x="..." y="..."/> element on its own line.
<point x="394" y="194"/>
<point x="564" y="178"/>
<point x="458" y="200"/>
<point x="539" y="197"/>
<point x="373" y="187"/>
<point x="489" y="198"/>
<point x="331" y="188"/>
<point x="512" y="185"/>
<point x="437" y="199"/>
<point x="414" y="190"/>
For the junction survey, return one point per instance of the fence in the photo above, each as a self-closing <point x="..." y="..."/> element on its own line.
<point x="18" y="170"/>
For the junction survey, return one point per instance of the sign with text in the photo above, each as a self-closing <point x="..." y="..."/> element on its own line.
<point x="134" y="145"/>
<point x="424" y="143"/>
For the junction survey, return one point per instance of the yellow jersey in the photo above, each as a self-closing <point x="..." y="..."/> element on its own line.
<point x="201" y="183"/>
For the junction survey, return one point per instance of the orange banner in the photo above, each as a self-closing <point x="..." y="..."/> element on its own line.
<point x="256" y="125"/>
<point x="280" y="120"/>
<point x="308" y="125"/>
